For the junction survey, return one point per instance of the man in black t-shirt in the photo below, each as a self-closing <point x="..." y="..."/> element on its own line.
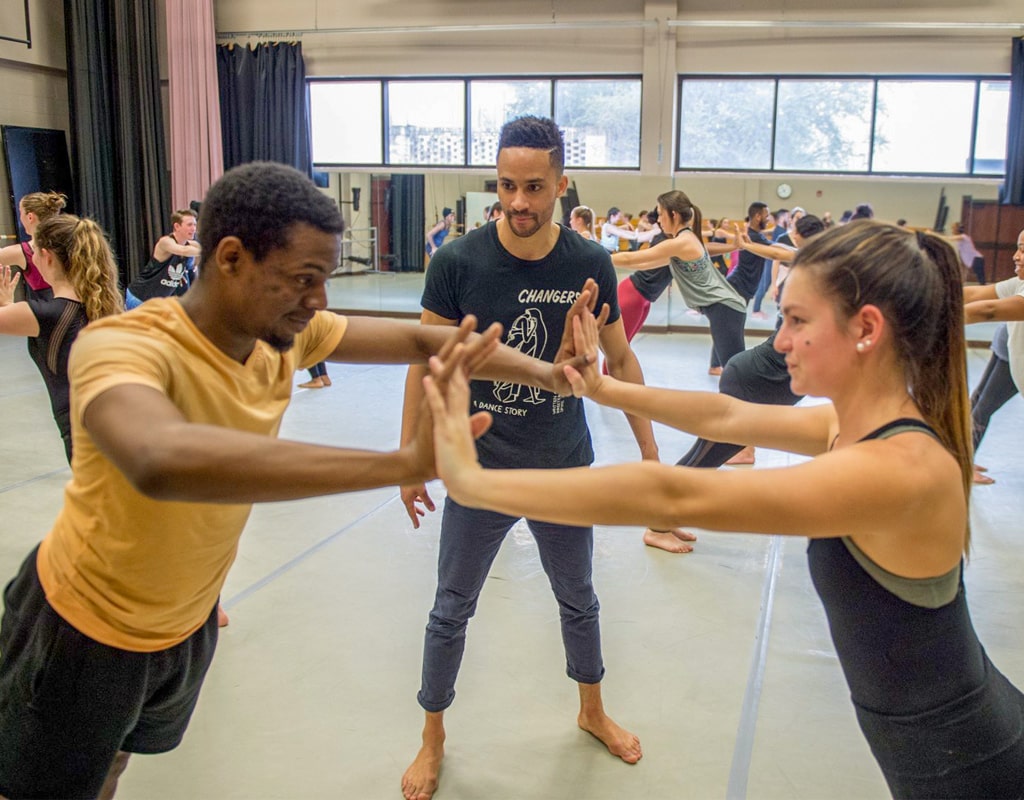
<point x="747" y="274"/>
<point x="524" y="271"/>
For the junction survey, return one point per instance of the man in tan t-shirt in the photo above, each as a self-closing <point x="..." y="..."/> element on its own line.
<point x="111" y="623"/>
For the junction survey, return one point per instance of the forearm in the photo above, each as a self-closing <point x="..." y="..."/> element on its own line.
<point x="703" y="414"/>
<point x="411" y="402"/>
<point x="629" y="371"/>
<point x="645" y="493"/>
<point x="210" y="464"/>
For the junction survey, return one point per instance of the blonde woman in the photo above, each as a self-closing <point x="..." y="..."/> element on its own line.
<point x="74" y="259"/>
<point x="33" y="209"/>
<point x="581" y="220"/>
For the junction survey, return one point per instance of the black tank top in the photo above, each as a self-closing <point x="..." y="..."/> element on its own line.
<point x="898" y="658"/>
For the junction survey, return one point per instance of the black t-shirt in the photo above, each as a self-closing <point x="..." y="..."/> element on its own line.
<point x="651" y="283"/>
<point x="747" y="274"/>
<point x="475" y="274"/>
<point x="168" y="278"/>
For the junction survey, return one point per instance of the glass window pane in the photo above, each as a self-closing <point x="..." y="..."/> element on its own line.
<point x="600" y="119"/>
<point x="923" y="126"/>
<point x="426" y="122"/>
<point x="345" y="119"/>
<point x="993" y="124"/>
<point x="824" y="126"/>
<point x="726" y="124"/>
<point x="493" y="103"/>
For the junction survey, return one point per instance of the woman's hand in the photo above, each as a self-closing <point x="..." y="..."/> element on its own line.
<point x="587" y="380"/>
<point x="8" y="283"/>
<point x="447" y="396"/>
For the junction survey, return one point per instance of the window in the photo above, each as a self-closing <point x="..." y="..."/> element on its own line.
<point x="853" y="125"/>
<point x="823" y="125"/>
<point x="345" y="121"/>
<point x="992" y="128"/>
<point x="726" y="124"/>
<point x="493" y="103"/>
<point x="456" y="122"/>
<point x="600" y="120"/>
<point x="426" y="122"/>
<point x="924" y="126"/>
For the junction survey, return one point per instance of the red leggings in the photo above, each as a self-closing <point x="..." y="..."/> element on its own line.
<point x="634" y="309"/>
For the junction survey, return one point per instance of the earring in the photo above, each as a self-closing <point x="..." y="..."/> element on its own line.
<point x="860" y="347"/>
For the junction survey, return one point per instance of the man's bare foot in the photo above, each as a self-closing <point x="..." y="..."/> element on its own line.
<point x="673" y="541"/>
<point x="981" y="478"/>
<point x="618" y="740"/>
<point x="316" y="383"/>
<point x="714" y="370"/>
<point x="743" y="457"/>
<point x="420" y="781"/>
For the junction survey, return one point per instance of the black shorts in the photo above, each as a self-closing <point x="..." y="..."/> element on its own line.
<point x="68" y="704"/>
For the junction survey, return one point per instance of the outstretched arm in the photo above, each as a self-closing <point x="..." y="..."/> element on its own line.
<point x="908" y="483"/>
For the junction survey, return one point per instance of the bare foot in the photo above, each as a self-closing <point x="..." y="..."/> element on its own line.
<point x="618" y="740"/>
<point x="673" y="541"/>
<point x="420" y="781"/>
<point x="982" y="479"/>
<point x="316" y="383"/>
<point x="326" y="380"/>
<point x="744" y="456"/>
<point x="714" y="370"/>
<point x="979" y="468"/>
<point x="222" y="617"/>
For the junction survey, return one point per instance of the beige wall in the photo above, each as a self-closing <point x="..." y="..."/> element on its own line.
<point x="451" y="37"/>
<point x="34" y="80"/>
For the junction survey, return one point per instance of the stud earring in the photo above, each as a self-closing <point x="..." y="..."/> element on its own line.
<point x="860" y="347"/>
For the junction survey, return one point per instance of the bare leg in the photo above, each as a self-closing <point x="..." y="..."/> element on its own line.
<point x="673" y="541"/>
<point x="110" y="784"/>
<point x="594" y="721"/>
<point x="420" y="781"/>
<point x="744" y="456"/>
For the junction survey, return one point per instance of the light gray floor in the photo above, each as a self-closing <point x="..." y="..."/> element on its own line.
<point x="720" y="660"/>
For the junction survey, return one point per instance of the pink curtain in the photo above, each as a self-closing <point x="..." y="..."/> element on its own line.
<point x="196" y="147"/>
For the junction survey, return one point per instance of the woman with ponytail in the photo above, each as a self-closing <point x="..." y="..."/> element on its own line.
<point x="34" y="208"/>
<point x="700" y="283"/>
<point x="73" y="257"/>
<point x="873" y="320"/>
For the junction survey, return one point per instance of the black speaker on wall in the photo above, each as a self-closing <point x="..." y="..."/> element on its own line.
<point x="37" y="161"/>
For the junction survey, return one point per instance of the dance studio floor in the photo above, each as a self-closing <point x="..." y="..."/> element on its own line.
<point x="719" y="660"/>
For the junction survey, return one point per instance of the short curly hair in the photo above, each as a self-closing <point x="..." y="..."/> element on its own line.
<point x="259" y="202"/>
<point x="536" y="133"/>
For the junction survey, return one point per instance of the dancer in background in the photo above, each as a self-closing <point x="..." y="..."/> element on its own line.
<point x="73" y="258"/>
<point x="440" y="231"/>
<point x="34" y="208"/>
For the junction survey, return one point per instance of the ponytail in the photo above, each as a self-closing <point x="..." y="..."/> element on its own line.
<point x="679" y="204"/>
<point x="82" y="249"/>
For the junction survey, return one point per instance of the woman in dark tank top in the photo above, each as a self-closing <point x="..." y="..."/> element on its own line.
<point x="873" y="320"/>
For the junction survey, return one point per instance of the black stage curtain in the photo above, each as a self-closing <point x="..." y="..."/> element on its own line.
<point x="118" y="150"/>
<point x="1013" y="188"/>
<point x="264" y="111"/>
<point x="407" y="222"/>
